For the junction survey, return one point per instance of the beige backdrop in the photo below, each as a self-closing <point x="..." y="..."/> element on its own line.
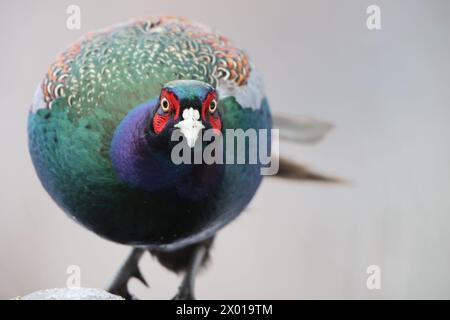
<point x="387" y="94"/>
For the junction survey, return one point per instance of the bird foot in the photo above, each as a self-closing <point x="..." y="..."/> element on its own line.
<point x="184" y="294"/>
<point x="120" y="287"/>
<point x="130" y="269"/>
<point x="123" y="292"/>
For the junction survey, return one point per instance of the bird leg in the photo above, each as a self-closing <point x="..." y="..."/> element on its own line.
<point x="186" y="289"/>
<point x="129" y="269"/>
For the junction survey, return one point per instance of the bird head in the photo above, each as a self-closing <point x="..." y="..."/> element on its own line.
<point x="187" y="105"/>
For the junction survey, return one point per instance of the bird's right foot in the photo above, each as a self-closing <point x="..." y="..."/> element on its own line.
<point x="129" y="269"/>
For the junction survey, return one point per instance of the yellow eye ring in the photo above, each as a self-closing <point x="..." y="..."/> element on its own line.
<point x="212" y="106"/>
<point x="165" y="105"/>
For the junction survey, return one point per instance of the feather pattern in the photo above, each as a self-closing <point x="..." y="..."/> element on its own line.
<point x="90" y="90"/>
<point x="140" y="54"/>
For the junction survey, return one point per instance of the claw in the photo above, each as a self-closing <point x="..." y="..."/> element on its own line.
<point x="123" y="292"/>
<point x="184" y="293"/>
<point x="179" y="296"/>
<point x="138" y="275"/>
<point x="130" y="269"/>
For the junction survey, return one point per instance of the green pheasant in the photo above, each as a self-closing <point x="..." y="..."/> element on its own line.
<point x="100" y="132"/>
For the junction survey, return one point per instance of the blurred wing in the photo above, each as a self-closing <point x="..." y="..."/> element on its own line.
<point x="300" y="129"/>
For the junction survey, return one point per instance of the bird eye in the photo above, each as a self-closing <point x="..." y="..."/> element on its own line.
<point x="165" y="105"/>
<point x="212" y="106"/>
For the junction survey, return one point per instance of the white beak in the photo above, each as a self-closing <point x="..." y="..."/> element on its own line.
<point x="190" y="126"/>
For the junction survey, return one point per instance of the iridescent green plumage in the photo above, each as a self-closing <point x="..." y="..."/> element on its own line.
<point x="91" y="88"/>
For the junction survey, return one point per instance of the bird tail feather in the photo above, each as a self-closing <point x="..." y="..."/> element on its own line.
<point x="291" y="170"/>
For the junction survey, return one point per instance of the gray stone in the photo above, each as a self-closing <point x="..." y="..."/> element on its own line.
<point x="70" y="294"/>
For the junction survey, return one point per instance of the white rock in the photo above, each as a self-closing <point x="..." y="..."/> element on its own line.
<point x="70" y="294"/>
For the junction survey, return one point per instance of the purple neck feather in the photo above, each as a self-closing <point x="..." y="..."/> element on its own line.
<point x="142" y="160"/>
<point x="136" y="156"/>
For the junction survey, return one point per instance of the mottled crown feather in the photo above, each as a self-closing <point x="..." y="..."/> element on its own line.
<point x="142" y="54"/>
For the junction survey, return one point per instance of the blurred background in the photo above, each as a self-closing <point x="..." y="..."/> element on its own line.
<point x="387" y="93"/>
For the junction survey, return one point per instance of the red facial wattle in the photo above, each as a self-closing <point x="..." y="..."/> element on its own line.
<point x="159" y="122"/>
<point x="161" y="118"/>
<point x="215" y="122"/>
<point x="212" y="118"/>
